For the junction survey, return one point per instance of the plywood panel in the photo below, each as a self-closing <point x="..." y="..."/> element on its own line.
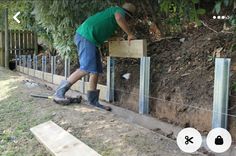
<point x="26" y="70"/>
<point x="59" y="142"/>
<point x="39" y="74"/>
<point x="86" y="87"/>
<point x="31" y="72"/>
<point x="17" y="68"/>
<point x="21" y="69"/>
<point x="103" y="91"/>
<point x="47" y="77"/>
<point x="57" y="79"/>
<point x="136" y="49"/>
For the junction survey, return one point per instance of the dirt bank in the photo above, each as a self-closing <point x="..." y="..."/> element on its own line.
<point x="181" y="80"/>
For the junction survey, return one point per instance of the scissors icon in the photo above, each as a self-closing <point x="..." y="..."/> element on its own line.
<point x="188" y="140"/>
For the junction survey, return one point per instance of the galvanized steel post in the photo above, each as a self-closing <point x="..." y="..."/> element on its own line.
<point x="110" y="79"/>
<point x="44" y="63"/>
<point x="144" y="85"/>
<point x="24" y="60"/>
<point x="67" y="67"/>
<point x="221" y="92"/>
<point x="20" y="57"/>
<point x="35" y="57"/>
<point x="29" y="61"/>
<point x="16" y="59"/>
<point x="53" y="64"/>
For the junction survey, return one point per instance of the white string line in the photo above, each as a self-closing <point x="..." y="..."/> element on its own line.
<point x="195" y="107"/>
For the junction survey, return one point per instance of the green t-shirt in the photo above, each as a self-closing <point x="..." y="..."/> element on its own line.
<point x="101" y="26"/>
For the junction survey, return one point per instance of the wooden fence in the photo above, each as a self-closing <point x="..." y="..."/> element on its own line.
<point x="1" y="49"/>
<point x="20" y="42"/>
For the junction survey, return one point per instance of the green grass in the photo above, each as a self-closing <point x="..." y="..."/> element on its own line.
<point x="17" y="115"/>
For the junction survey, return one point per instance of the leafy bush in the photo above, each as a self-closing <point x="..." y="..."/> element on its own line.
<point x="180" y="11"/>
<point x="55" y="21"/>
<point x="230" y="4"/>
<point x="58" y="20"/>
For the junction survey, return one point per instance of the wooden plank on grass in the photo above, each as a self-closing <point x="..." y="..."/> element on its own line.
<point x="59" y="142"/>
<point x="136" y="49"/>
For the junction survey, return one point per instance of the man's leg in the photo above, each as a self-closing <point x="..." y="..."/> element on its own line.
<point x="93" y="93"/>
<point x="75" y="76"/>
<point x="59" y="96"/>
<point x="93" y="80"/>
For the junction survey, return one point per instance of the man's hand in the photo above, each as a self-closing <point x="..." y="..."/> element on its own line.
<point x="131" y="37"/>
<point x="124" y="26"/>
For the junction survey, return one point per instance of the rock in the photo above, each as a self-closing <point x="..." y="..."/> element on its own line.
<point x="170" y="135"/>
<point x="182" y="40"/>
<point x="169" y="70"/>
<point x="177" y="58"/>
<point x="186" y="74"/>
<point x="31" y="84"/>
<point x="126" y="76"/>
<point x="168" y="98"/>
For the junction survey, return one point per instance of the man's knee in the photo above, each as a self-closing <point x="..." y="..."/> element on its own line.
<point x="82" y="72"/>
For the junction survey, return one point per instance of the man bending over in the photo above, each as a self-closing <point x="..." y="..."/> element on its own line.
<point x="89" y="36"/>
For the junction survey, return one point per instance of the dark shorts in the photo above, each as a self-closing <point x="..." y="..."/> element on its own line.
<point x="89" y="57"/>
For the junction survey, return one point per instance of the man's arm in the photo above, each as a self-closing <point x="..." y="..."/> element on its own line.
<point x="124" y="26"/>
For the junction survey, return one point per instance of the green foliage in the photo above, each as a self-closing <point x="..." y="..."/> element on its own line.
<point x="58" y="20"/>
<point x="229" y="4"/>
<point x="218" y="7"/>
<point x="234" y="87"/>
<point x="1" y="20"/>
<point x="13" y="7"/>
<point x="179" y="12"/>
<point x="220" y="3"/>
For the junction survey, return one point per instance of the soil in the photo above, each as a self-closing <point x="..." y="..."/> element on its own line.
<point x="181" y="78"/>
<point x="101" y="130"/>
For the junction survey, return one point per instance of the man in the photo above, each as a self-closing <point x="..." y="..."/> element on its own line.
<point x="90" y="35"/>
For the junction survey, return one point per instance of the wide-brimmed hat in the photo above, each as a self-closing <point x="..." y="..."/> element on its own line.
<point x="129" y="9"/>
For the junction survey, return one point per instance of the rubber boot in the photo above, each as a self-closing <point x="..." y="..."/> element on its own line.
<point x="59" y="96"/>
<point x="93" y="96"/>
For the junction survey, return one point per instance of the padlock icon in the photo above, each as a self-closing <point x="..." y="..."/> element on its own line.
<point x="219" y="140"/>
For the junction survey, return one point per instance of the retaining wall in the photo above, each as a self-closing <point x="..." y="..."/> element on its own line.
<point x="80" y="86"/>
